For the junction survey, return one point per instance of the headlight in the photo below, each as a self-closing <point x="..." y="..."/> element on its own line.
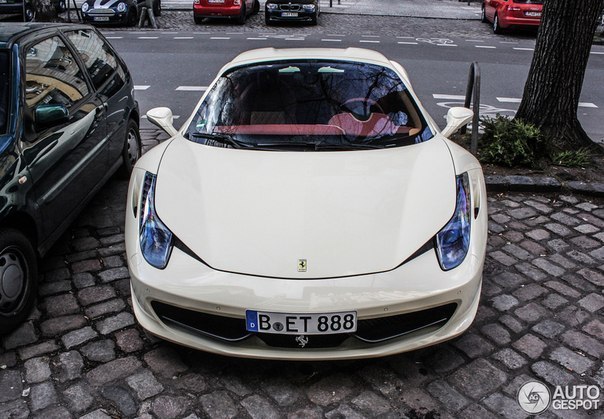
<point x="154" y="237"/>
<point x="85" y="7"/>
<point x="271" y="6"/>
<point x="121" y="7"/>
<point x="309" y="7"/>
<point x="453" y="241"/>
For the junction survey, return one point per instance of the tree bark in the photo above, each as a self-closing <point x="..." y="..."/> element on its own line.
<point x="551" y="94"/>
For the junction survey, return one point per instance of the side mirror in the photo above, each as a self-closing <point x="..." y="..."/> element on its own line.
<point x="50" y="115"/>
<point x="163" y="118"/>
<point x="456" y="118"/>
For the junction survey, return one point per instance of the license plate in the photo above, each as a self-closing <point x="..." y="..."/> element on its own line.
<point x="289" y="14"/>
<point x="533" y="14"/>
<point x="101" y="19"/>
<point x="215" y="1"/>
<point x="301" y="323"/>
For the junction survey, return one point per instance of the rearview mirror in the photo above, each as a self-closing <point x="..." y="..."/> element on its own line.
<point x="163" y="118"/>
<point x="456" y="118"/>
<point x="50" y="115"/>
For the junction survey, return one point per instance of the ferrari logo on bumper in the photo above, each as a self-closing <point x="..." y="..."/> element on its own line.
<point x="302" y="265"/>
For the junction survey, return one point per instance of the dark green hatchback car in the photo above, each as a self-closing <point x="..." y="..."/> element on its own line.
<point x="68" y="121"/>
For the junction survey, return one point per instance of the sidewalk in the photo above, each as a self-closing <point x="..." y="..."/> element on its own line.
<point x="437" y="9"/>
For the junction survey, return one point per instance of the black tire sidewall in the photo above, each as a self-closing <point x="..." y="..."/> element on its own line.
<point x="11" y="238"/>
<point x="127" y="166"/>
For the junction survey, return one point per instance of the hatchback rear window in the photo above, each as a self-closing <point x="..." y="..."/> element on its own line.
<point x="3" y="92"/>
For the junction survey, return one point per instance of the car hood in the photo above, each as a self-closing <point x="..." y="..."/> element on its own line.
<point x="346" y="213"/>
<point x="103" y="4"/>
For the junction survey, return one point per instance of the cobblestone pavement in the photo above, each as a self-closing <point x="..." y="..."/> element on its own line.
<point x="81" y="354"/>
<point x="339" y="24"/>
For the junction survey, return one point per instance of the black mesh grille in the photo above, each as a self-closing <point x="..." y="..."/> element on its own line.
<point x="369" y="331"/>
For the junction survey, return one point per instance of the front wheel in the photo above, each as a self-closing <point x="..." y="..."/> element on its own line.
<point x="496" y="28"/>
<point x="18" y="278"/>
<point x="29" y="13"/>
<point x="313" y="20"/>
<point x="256" y="8"/>
<point x="267" y="20"/>
<point x="483" y="15"/>
<point x="132" y="149"/>
<point x="241" y="18"/>
<point x="198" y="20"/>
<point x="157" y="8"/>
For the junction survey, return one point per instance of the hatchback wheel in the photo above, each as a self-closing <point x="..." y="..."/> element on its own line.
<point x="198" y="20"/>
<point x="132" y="149"/>
<point x="256" y="7"/>
<point x="18" y="278"/>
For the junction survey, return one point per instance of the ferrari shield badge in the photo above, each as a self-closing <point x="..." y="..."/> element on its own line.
<point x="302" y="264"/>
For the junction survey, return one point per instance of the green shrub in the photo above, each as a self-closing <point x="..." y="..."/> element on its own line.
<point x="574" y="158"/>
<point x="510" y="142"/>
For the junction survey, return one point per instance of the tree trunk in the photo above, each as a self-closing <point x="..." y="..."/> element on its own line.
<point x="551" y="94"/>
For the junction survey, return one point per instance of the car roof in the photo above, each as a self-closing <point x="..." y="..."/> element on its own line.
<point x="12" y="31"/>
<point x="278" y="54"/>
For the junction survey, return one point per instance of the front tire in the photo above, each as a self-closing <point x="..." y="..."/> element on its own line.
<point x="29" y="14"/>
<point x="483" y="15"/>
<point x="496" y="27"/>
<point x="132" y="18"/>
<point x="256" y="8"/>
<point x="242" y="16"/>
<point x="132" y="149"/>
<point x="267" y="20"/>
<point x="18" y="278"/>
<point x="157" y="8"/>
<point x="313" y="20"/>
<point x="198" y="20"/>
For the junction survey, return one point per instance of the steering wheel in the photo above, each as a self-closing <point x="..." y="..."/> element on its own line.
<point x="360" y="107"/>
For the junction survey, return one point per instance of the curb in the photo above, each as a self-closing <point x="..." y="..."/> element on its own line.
<point x="542" y="184"/>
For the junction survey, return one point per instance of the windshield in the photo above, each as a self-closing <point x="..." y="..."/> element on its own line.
<point x="310" y="105"/>
<point x="3" y="92"/>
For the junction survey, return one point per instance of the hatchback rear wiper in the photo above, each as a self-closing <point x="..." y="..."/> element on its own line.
<point x="223" y="139"/>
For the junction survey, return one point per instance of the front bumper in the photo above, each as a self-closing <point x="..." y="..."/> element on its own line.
<point x="281" y="16"/>
<point x="416" y="286"/>
<point x="509" y="21"/>
<point x="106" y="16"/>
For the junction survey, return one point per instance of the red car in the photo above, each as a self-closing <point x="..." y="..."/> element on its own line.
<point x="232" y="9"/>
<point x="508" y="13"/>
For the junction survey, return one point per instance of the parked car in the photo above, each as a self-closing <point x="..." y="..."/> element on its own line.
<point x="291" y="11"/>
<point x="309" y="208"/>
<point x="26" y="8"/>
<point x="510" y="13"/>
<point x="125" y="12"/>
<point x="238" y="10"/>
<point x="68" y="121"/>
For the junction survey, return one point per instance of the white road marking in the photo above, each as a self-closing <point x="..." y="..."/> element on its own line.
<point x="192" y="88"/>
<point x="368" y="41"/>
<point x="220" y="37"/>
<point x="184" y="37"/>
<point x="141" y="87"/>
<point x="518" y="100"/>
<point x="234" y="33"/>
<point x="202" y="33"/>
<point x="405" y="37"/>
<point x="524" y="49"/>
<point x="508" y="42"/>
<point x="370" y="36"/>
<point x="597" y="52"/>
<point x="335" y="34"/>
<point x="446" y="45"/>
<point x="256" y="39"/>
<point x="448" y="97"/>
<point x="148" y="37"/>
<point x="485" y="46"/>
<point x="114" y="37"/>
<point x="294" y="39"/>
<point x="474" y="40"/>
<point x="330" y="40"/>
<point x="407" y="43"/>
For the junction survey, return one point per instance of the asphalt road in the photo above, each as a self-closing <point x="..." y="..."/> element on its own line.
<point x="172" y="67"/>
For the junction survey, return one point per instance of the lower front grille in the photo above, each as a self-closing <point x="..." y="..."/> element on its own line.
<point x="290" y="7"/>
<point x="369" y="331"/>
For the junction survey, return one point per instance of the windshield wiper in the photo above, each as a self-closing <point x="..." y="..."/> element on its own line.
<point x="221" y="139"/>
<point x="320" y="145"/>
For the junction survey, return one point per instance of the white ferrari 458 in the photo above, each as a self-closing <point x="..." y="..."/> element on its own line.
<point x="309" y="208"/>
